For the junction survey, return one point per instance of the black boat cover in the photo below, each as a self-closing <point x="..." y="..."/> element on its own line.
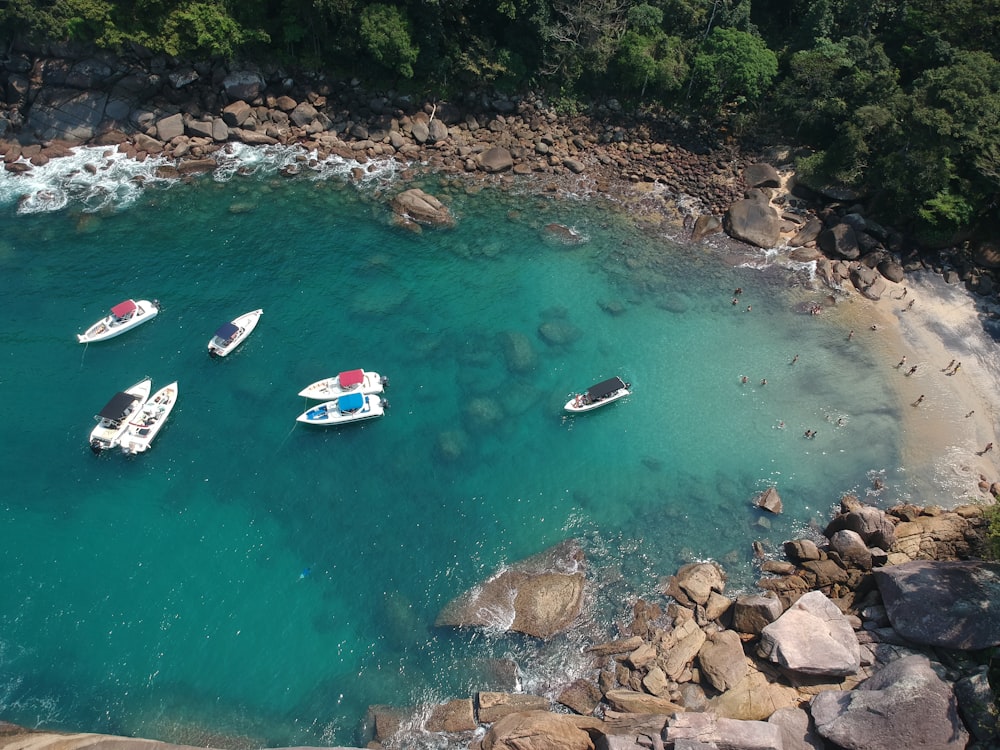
<point x="604" y="388"/>
<point x="116" y="407"/>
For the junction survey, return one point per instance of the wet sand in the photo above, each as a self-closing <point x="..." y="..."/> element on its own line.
<point x="957" y="417"/>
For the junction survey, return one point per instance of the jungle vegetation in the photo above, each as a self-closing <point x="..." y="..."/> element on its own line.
<point x="897" y="98"/>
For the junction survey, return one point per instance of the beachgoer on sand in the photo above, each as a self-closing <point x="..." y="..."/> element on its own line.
<point x="987" y="449"/>
<point x="919" y="400"/>
<point x="911" y="370"/>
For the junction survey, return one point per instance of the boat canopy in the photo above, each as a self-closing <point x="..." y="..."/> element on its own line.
<point x="350" y="402"/>
<point x="123" y="308"/>
<point x="116" y="406"/>
<point x="227" y="331"/>
<point x="604" y="388"/>
<point x="350" y="378"/>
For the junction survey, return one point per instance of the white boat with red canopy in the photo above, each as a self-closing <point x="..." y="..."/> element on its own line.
<point x="146" y="424"/>
<point x="113" y="419"/>
<point x="232" y="334"/>
<point x="124" y="317"/>
<point x="354" y="407"/>
<point x="349" y="381"/>
<point x="599" y="395"/>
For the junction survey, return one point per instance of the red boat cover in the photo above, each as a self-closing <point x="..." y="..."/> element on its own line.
<point x="350" y="378"/>
<point x="123" y="308"/>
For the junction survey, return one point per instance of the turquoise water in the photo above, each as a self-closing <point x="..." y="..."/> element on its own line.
<point x="253" y="581"/>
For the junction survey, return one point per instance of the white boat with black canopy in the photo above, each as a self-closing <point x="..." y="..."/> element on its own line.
<point x="112" y="420"/>
<point x="598" y="395"/>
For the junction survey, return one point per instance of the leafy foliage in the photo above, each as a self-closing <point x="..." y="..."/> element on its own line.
<point x="733" y="67"/>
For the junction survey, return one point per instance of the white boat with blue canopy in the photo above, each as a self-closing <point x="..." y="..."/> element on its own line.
<point x="230" y="335"/>
<point x="598" y="395"/>
<point x="349" y="381"/>
<point x="354" y="407"/>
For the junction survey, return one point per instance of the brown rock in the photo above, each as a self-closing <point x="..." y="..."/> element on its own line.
<point x="634" y="702"/>
<point x="453" y="716"/>
<point x="540" y="730"/>
<point x="494" y="706"/>
<point x="581" y="696"/>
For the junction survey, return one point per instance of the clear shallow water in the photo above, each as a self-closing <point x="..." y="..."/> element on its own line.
<point x="164" y="595"/>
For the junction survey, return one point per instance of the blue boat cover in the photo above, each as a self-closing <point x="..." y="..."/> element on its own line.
<point x="350" y="402"/>
<point x="227" y="331"/>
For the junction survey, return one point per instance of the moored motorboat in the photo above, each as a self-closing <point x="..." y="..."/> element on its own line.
<point x="112" y="420"/>
<point x="353" y="407"/>
<point x="123" y="317"/>
<point x="231" y="335"/>
<point x="349" y="381"/>
<point x="144" y="425"/>
<point x="598" y="395"/>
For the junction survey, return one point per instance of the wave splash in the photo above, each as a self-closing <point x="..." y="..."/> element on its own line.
<point x="98" y="178"/>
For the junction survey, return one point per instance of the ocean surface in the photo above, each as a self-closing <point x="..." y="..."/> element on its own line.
<point x="250" y="581"/>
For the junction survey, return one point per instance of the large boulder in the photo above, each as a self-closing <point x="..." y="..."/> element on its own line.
<point x="540" y="596"/>
<point x="904" y="704"/>
<point x="708" y="730"/>
<point x="422" y="208"/>
<point x="496" y="159"/>
<point x="761" y="175"/>
<point x="722" y="660"/>
<point x="693" y="583"/>
<point x="754" y="612"/>
<point x="243" y="84"/>
<point x="753" y="221"/>
<point x="874" y="526"/>
<point x="66" y="114"/>
<point x="840" y="241"/>
<point x="812" y="637"/>
<point x="494" y="706"/>
<point x="868" y="281"/>
<point x="953" y="604"/>
<point x="540" y="730"/>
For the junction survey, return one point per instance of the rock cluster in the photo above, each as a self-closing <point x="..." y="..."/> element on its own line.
<point x="844" y="648"/>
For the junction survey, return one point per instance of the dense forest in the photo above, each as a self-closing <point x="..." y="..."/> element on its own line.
<point x="898" y="98"/>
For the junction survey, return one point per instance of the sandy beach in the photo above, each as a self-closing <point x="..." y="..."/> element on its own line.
<point x="933" y="324"/>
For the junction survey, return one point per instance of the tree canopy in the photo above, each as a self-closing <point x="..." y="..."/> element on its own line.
<point x="898" y="98"/>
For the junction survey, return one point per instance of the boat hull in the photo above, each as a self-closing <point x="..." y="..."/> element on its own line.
<point x="109" y="327"/>
<point x="575" y="407"/>
<point x="328" y="414"/>
<point x="108" y="432"/>
<point x="149" y="420"/>
<point x="245" y="323"/>
<point x="329" y="388"/>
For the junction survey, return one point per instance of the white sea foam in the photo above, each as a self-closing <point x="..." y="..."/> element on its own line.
<point x="96" y="178"/>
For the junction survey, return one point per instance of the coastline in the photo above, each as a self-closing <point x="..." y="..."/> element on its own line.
<point x="937" y="430"/>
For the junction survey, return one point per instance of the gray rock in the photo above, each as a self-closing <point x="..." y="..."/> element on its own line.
<point x="868" y="281"/>
<point x="421" y="132"/>
<point x="722" y="660"/>
<point x="871" y="523"/>
<point x="67" y="114"/>
<point x="761" y="175"/>
<point x="807" y="233"/>
<point x="840" y="241"/>
<point x="243" y="84"/>
<point x="704" y="226"/>
<point x="751" y="614"/>
<point x="977" y="702"/>
<point x="303" y="114"/>
<point x="437" y="131"/>
<point x="574" y="165"/>
<point x="754" y="222"/>
<point x="903" y="705"/>
<point x="801" y="550"/>
<point x="220" y="131"/>
<point x="953" y="604"/>
<point x="892" y="270"/>
<point x="797" y="732"/>
<point x="812" y="637"/>
<point x="851" y="548"/>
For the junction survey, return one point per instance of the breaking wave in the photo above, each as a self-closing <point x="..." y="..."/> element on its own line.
<point x="96" y="178"/>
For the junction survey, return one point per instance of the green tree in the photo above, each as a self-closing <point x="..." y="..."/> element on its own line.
<point x="732" y="67"/>
<point x="387" y="36"/>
